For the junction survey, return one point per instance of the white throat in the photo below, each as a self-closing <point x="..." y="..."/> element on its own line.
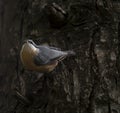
<point x="30" y="48"/>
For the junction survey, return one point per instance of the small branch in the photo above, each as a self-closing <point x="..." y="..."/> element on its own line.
<point x="109" y="106"/>
<point x="94" y="71"/>
<point x="18" y="51"/>
<point x="118" y="55"/>
<point x="22" y="98"/>
<point x="22" y="16"/>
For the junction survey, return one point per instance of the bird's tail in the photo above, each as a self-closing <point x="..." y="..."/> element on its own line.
<point x="70" y="53"/>
<point x="65" y="54"/>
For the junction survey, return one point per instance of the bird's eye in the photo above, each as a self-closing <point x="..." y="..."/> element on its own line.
<point x="30" y="41"/>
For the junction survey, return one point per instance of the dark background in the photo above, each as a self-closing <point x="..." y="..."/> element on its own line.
<point x="86" y="83"/>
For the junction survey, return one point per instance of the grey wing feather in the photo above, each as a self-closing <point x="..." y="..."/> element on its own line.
<point x="50" y="47"/>
<point x="47" y="54"/>
<point x="40" y="60"/>
<point x="55" y="48"/>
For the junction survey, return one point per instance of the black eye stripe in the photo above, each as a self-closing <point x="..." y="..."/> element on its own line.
<point x="30" y="42"/>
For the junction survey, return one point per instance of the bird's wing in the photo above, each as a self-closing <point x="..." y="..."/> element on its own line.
<point x="47" y="46"/>
<point x="47" y="55"/>
<point x="55" y="48"/>
<point x="41" y="59"/>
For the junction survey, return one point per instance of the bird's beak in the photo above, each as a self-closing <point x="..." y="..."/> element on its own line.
<point x="25" y="41"/>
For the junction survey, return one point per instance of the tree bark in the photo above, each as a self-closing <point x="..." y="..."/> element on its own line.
<point x="87" y="82"/>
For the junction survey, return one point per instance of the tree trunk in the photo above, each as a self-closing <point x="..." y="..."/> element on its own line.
<point x="85" y="83"/>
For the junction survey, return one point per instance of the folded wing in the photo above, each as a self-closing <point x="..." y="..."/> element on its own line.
<point x="48" y="54"/>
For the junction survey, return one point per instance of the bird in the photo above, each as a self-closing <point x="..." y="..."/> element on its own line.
<point x="56" y="15"/>
<point x="41" y="58"/>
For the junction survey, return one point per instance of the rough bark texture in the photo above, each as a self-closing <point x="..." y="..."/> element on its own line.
<point x="86" y="83"/>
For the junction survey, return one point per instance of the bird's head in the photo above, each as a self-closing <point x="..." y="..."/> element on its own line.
<point x="29" y="41"/>
<point x="30" y="45"/>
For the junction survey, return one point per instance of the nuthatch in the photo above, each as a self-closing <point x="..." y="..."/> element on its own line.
<point x="56" y="15"/>
<point x="41" y="58"/>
